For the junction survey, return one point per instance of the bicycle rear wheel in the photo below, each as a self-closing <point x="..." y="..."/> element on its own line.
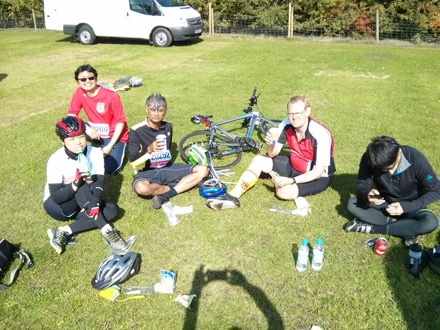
<point x="224" y="153"/>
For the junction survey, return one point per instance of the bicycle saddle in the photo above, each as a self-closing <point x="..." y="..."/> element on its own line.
<point x="197" y="119"/>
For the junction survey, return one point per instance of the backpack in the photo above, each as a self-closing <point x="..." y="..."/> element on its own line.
<point x="8" y="253"/>
<point x="434" y="258"/>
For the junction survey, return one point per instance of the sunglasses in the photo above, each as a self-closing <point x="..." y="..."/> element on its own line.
<point x="91" y="78"/>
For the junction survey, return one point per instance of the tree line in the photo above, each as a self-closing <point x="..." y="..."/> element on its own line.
<point x="418" y="18"/>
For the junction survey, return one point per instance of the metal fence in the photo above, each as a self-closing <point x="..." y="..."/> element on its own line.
<point x="372" y="28"/>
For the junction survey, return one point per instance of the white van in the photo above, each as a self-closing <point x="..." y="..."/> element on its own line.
<point x="159" y="21"/>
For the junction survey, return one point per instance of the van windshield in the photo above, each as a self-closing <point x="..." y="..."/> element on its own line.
<point x="171" y="3"/>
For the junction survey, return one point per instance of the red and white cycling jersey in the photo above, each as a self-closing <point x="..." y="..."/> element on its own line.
<point x="103" y="111"/>
<point x="316" y="148"/>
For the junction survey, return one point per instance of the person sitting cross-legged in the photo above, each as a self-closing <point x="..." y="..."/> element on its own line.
<point x="156" y="175"/>
<point x="306" y="171"/>
<point x="395" y="184"/>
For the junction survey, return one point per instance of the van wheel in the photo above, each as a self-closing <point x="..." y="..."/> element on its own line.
<point x="86" y="35"/>
<point x="162" y="37"/>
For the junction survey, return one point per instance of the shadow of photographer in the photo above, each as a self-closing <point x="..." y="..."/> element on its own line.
<point x="235" y="278"/>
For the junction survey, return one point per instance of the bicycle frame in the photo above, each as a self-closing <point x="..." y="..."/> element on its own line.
<point x="255" y="119"/>
<point x="224" y="143"/>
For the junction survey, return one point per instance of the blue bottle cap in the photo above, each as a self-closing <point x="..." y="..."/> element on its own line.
<point x="305" y="242"/>
<point x="319" y="241"/>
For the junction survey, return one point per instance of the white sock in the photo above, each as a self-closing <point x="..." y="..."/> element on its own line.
<point x="301" y="202"/>
<point x="106" y="228"/>
<point x="66" y="229"/>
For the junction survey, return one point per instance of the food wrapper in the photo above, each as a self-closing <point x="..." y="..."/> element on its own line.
<point x="185" y="299"/>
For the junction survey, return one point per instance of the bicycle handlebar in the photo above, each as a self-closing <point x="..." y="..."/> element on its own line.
<point x="254" y="98"/>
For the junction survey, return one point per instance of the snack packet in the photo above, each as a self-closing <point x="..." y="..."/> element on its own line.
<point x="185" y="299"/>
<point x="167" y="282"/>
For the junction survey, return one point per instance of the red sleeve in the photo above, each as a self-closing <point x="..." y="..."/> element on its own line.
<point x="75" y="104"/>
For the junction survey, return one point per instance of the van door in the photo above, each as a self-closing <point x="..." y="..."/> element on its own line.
<point x="108" y="18"/>
<point x="53" y="16"/>
<point x="143" y="17"/>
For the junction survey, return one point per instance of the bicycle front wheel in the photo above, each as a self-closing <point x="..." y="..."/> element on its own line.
<point x="224" y="152"/>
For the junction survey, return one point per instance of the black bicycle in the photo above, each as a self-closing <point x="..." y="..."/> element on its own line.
<point x="224" y="147"/>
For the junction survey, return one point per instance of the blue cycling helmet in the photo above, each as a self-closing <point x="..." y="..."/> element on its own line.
<point x="212" y="188"/>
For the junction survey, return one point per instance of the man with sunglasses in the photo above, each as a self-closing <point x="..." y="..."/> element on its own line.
<point x="156" y="175"/>
<point x="107" y="126"/>
<point x="395" y="184"/>
<point x="306" y="171"/>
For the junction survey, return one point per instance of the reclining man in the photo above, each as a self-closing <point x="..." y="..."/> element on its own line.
<point x="308" y="169"/>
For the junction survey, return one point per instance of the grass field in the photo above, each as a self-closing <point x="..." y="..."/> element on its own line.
<point x="239" y="263"/>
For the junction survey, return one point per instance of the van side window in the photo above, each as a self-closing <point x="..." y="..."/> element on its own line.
<point x="141" y="6"/>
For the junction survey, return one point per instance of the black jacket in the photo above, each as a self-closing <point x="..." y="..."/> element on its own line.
<point x="414" y="184"/>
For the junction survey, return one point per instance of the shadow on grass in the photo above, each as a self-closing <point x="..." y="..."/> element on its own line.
<point x="128" y="41"/>
<point x="417" y="299"/>
<point x="3" y="76"/>
<point x="113" y="182"/>
<point x="344" y="184"/>
<point x="235" y="278"/>
<point x="113" y="185"/>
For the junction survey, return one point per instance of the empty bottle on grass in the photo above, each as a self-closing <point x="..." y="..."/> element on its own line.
<point x="303" y="256"/>
<point x="318" y="255"/>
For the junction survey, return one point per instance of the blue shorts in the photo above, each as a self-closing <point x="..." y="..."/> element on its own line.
<point x="169" y="175"/>
<point x="113" y="162"/>
<point x="281" y="165"/>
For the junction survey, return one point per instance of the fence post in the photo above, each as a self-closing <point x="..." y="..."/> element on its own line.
<point x="377" y="25"/>
<point x="35" y="22"/>
<point x="212" y="21"/>
<point x="289" y="31"/>
<point x="209" y="19"/>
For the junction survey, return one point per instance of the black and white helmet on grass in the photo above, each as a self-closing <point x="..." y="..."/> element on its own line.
<point x="116" y="269"/>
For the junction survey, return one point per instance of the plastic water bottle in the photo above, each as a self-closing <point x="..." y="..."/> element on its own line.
<point x="415" y="259"/>
<point x="83" y="163"/>
<point x="303" y="256"/>
<point x="318" y="255"/>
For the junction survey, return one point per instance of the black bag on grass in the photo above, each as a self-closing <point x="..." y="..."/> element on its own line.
<point x="8" y="253"/>
<point x="434" y="258"/>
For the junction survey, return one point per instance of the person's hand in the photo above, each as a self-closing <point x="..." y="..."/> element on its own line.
<point x="79" y="179"/>
<point x="156" y="146"/>
<point x="92" y="209"/>
<point x="281" y="181"/>
<point x="107" y="149"/>
<point x="268" y="138"/>
<point x="92" y="133"/>
<point x="394" y="209"/>
<point x="375" y="198"/>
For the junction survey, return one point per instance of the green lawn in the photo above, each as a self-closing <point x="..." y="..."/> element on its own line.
<point x="239" y="262"/>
